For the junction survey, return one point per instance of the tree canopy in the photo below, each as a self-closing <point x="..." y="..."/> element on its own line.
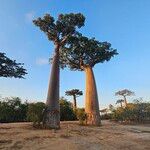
<point x="125" y="92"/>
<point x="59" y="30"/>
<point x="81" y="52"/>
<point x="75" y="92"/>
<point x="10" y="68"/>
<point x="119" y="101"/>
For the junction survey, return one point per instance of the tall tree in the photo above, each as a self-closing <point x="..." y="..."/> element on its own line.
<point x="75" y="93"/>
<point x="83" y="54"/>
<point x="125" y="93"/>
<point x="58" y="32"/>
<point x="111" y="107"/>
<point x="120" y="101"/>
<point x="10" y="68"/>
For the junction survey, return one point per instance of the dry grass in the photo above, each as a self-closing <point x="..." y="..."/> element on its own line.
<point x="110" y="136"/>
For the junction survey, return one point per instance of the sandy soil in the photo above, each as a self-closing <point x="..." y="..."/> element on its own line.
<point x="110" y="136"/>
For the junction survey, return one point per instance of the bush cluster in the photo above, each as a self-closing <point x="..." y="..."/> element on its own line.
<point x="137" y="112"/>
<point x="13" y="110"/>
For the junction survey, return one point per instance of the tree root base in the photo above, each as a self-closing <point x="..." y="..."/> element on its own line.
<point x="93" y="119"/>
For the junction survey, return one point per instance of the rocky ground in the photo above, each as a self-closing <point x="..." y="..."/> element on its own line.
<point x="71" y="136"/>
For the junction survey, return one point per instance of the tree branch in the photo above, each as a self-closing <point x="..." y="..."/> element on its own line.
<point x="64" y="39"/>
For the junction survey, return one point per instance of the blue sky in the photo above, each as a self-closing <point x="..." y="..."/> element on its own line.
<point x="125" y="24"/>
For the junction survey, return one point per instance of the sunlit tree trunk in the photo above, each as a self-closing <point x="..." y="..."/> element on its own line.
<point x="52" y="112"/>
<point x="125" y="101"/>
<point x="91" y="99"/>
<point x="74" y="103"/>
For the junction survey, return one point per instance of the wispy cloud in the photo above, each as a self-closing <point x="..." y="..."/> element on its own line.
<point x="42" y="61"/>
<point x="29" y="16"/>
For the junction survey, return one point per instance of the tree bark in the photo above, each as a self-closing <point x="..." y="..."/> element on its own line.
<point x="91" y="99"/>
<point x="121" y="104"/>
<point x="125" y="101"/>
<point x="74" y="103"/>
<point x="52" y="112"/>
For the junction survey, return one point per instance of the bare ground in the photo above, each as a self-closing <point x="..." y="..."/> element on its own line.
<point x="71" y="136"/>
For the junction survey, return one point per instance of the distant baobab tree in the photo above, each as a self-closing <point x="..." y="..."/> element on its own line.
<point x="111" y="107"/>
<point x="120" y="101"/>
<point x="58" y="31"/>
<point x="104" y="111"/>
<point x="75" y="93"/>
<point x="10" y="68"/>
<point x="125" y="93"/>
<point x="82" y="53"/>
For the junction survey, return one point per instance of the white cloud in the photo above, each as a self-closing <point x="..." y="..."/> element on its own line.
<point x="29" y="16"/>
<point x="42" y="61"/>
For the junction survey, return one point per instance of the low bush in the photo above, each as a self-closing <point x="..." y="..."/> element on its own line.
<point x="35" y="113"/>
<point x="13" y="110"/>
<point x="82" y="116"/>
<point x="137" y="112"/>
<point x="66" y="110"/>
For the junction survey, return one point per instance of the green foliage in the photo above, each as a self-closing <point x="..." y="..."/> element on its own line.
<point x="120" y="101"/>
<point x="81" y="115"/>
<point x="73" y="92"/>
<point x="58" y="30"/>
<point x="12" y="110"/>
<point x="66" y="110"/>
<point x="125" y="92"/>
<point x="10" y="68"/>
<point x="35" y="113"/>
<point x="118" y="114"/>
<point x="106" y="116"/>
<point x="81" y="52"/>
<point x="134" y="112"/>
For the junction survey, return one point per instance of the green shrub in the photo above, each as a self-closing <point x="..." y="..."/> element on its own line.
<point x="35" y="113"/>
<point x="82" y="116"/>
<point x="106" y="116"/>
<point x="66" y="110"/>
<point x="138" y="112"/>
<point x="12" y="110"/>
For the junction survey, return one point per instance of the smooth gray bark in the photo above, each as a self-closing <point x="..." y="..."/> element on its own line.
<point x="52" y="112"/>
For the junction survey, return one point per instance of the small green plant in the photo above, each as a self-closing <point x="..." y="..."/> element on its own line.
<point x="82" y="116"/>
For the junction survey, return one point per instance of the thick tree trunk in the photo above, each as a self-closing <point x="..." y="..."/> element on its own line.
<point x="74" y="103"/>
<point x="52" y="112"/>
<point x="91" y="99"/>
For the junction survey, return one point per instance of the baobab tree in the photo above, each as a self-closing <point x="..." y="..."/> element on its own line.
<point x="120" y="101"/>
<point x="75" y="93"/>
<point x="57" y="31"/>
<point x="10" y="68"/>
<point x="82" y="53"/>
<point x="104" y="111"/>
<point x="125" y="93"/>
